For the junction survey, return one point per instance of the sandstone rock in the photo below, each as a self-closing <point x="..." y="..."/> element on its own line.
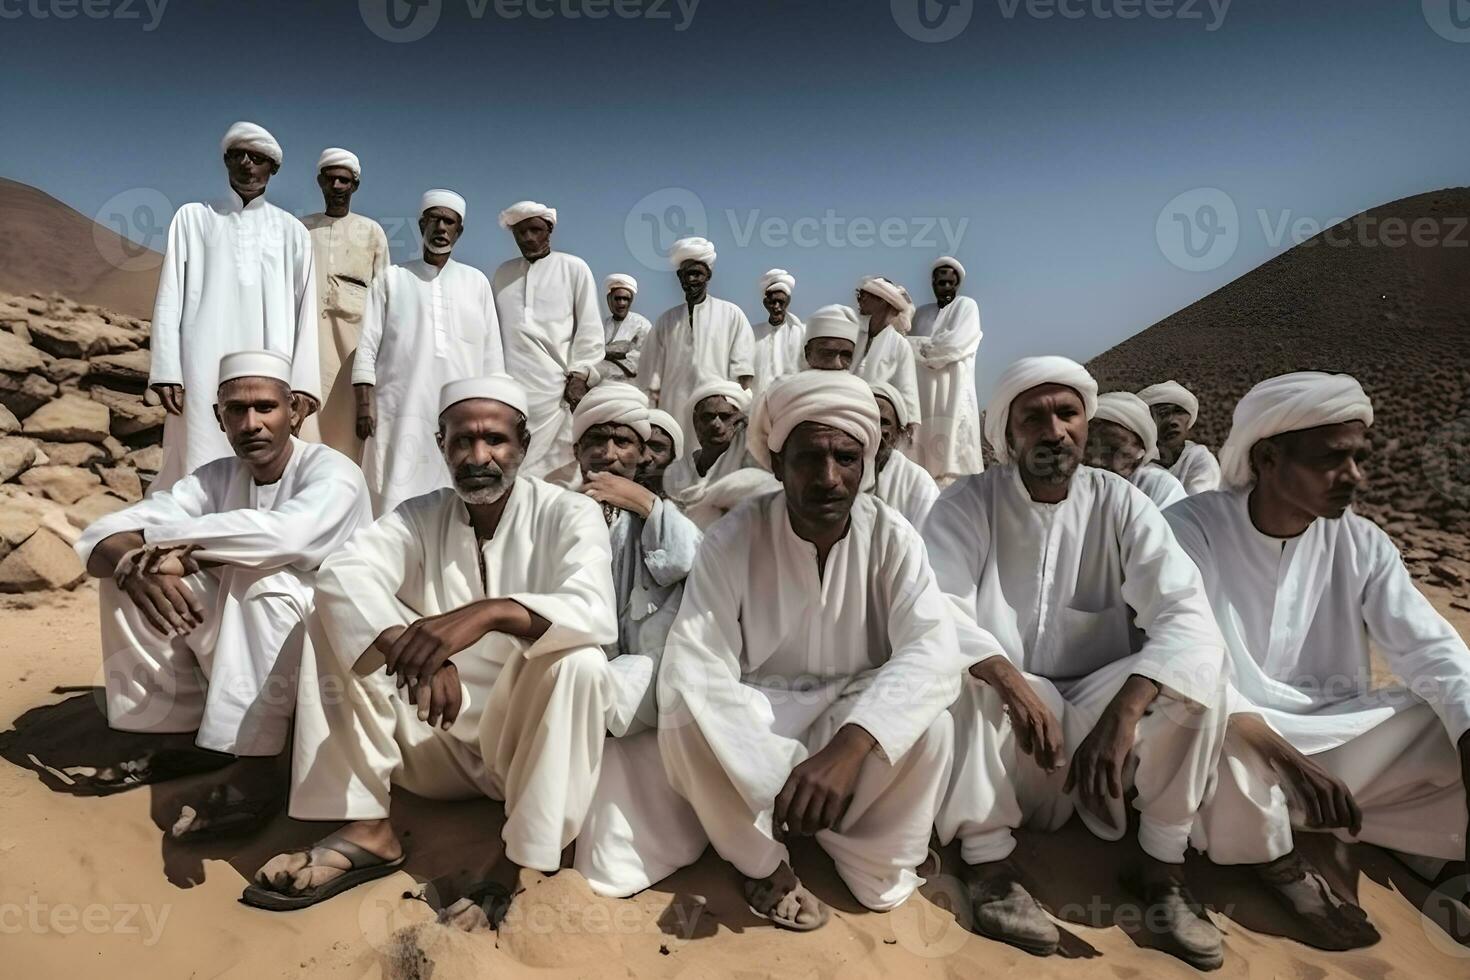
<point x="85" y="336"/>
<point x="1452" y="570"/>
<point x="88" y="509"/>
<point x="147" y="460"/>
<point x="130" y="414"/>
<point x="19" y="500"/>
<point x="8" y="422"/>
<point x="15" y="526"/>
<point x="129" y="369"/>
<point x="82" y="454"/>
<point x="17" y="326"/>
<point x="123" y="481"/>
<point x="17" y="356"/>
<point x="63" y="484"/>
<point x="16" y="456"/>
<point x="114" y="447"/>
<point x="24" y="393"/>
<point x="65" y="370"/>
<point x="71" y="418"/>
<point x="44" y="561"/>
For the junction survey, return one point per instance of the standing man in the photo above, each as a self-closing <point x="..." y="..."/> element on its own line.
<point x="428" y="322"/>
<point x="622" y="332"/>
<point x="553" y="336"/>
<point x="1175" y="410"/>
<point x="350" y="252"/>
<point x="701" y="337"/>
<point x="883" y="351"/>
<point x="237" y="274"/>
<point x="945" y="338"/>
<point x="780" y="338"/>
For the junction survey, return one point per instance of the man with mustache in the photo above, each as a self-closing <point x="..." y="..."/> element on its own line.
<point x="428" y="322"/>
<point x="463" y="657"/>
<point x="1175" y="410"/>
<point x="1122" y="438"/>
<point x="946" y="339"/>
<point x="717" y="418"/>
<point x="778" y="338"/>
<point x="1108" y="655"/>
<point x="237" y="274"/>
<point x="205" y="589"/>
<point x="665" y="444"/>
<point x="350" y="252"/>
<point x="1301" y="587"/>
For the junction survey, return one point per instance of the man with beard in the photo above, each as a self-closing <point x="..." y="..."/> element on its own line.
<point x="205" y="590"/>
<point x="1108" y="656"/>
<point x="946" y="338"/>
<point x="902" y="484"/>
<point x="1122" y="438"/>
<point x="1175" y="410"/>
<point x="779" y="339"/>
<point x="622" y="332"/>
<point x="350" y="252"/>
<point x="665" y="444"/>
<point x="461" y="657"/>
<point x="717" y="418"/>
<point x="1302" y="587"/>
<point x="831" y="338"/>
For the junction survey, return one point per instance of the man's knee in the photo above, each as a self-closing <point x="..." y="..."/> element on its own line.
<point x="579" y="671"/>
<point x="937" y="742"/>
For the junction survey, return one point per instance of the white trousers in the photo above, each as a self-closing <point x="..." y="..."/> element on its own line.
<point x="531" y="735"/>
<point x="233" y="679"/>
<point x="997" y="788"/>
<point x="880" y="840"/>
<point x="1404" y="775"/>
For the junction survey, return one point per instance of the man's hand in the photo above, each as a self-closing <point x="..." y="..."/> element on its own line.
<point x="367" y="414"/>
<point x="438" y="698"/>
<point x="1325" y="799"/>
<point x="178" y="561"/>
<point x="172" y="397"/>
<point x="575" y="390"/>
<point x="164" y="600"/>
<point x="1097" y="765"/>
<point x="620" y="492"/>
<point x="819" y="790"/>
<point x="1038" y="732"/>
<point x="421" y="649"/>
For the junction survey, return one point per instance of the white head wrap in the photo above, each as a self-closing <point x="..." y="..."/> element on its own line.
<point x="255" y="364"/>
<point x="335" y="156"/>
<point x="730" y="390"/>
<point x="496" y="387"/>
<point x="949" y="262"/>
<point x="1171" y="393"/>
<point x="1131" y="412"/>
<point x="1302" y="400"/>
<point x="1022" y="376"/>
<point x="692" y="250"/>
<point x="521" y="210"/>
<point x="440" y="197"/>
<point x="620" y="280"/>
<point x="886" y="391"/>
<point x="612" y="403"/>
<point x="249" y="136"/>
<point x="665" y="421"/>
<point x="833" y="321"/>
<point x="778" y="279"/>
<point x="895" y="296"/>
<point x="715" y="500"/>
<point x="836" y="398"/>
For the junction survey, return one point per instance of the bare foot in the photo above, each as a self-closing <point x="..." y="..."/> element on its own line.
<point x="1333" y="923"/>
<point x="785" y="901"/>
<point x="252" y="790"/>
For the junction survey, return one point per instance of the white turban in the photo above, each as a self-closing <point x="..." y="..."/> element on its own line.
<point x="613" y="403"/>
<point x="714" y="500"/>
<point x="440" y="197"/>
<point x="1131" y="412"/>
<point x="895" y="296"/>
<point x="1302" y="400"/>
<point x="836" y="398"/>
<point x="834" y="321"/>
<point x="496" y="387"/>
<point x="665" y="421"/>
<point x="779" y="280"/>
<point x="692" y="250"/>
<point x="521" y="210"/>
<point x="886" y="391"/>
<point x="1171" y="393"/>
<point x="255" y="364"/>
<point x="620" y="280"/>
<point x="335" y="156"/>
<point x="948" y="262"/>
<point x="730" y="390"/>
<point x="248" y="136"/>
<point x="1022" y="376"/>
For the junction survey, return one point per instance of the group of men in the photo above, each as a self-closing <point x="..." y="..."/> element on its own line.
<point x="663" y="587"/>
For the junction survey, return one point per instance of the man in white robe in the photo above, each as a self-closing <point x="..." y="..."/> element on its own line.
<point x="1175" y="410"/>
<point x="1122" y="438"/>
<point x="428" y="322"/>
<point x="1108" y="672"/>
<point x="902" y="484"/>
<point x="718" y="410"/>
<point x="831" y="338"/>
<point x="237" y="275"/>
<point x="1301" y="587"/>
<point x="804" y="685"/>
<point x="462" y="657"/>
<point x="665" y="443"/>
<point x="704" y="336"/>
<point x="350" y="252"/>
<point x="622" y="332"/>
<point x="780" y="337"/>
<point x="205" y="589"/>
<point x="883" y="351"/>
<point x="946" y="338"/>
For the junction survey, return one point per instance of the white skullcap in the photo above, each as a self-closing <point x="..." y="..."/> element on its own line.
<point x="882" y="389"/>
<point x="730" y="390"/>
<point x="1022" y="376"/>
<point x="620" y="280"/>
<point x="1172" y="393"/>
<point x="248" y="136"/>
<point x="496" y="387"/>
<point x="255" y="364"/>
<point x="836" y="398"/>
<point x="441" y="197"/>
<point x="521" y="210"/>
<point x="692" y="250"/>
<point x="835" y="320"/>
<point x="1302" y="400"/>
<point x="612" y="403"/>
<point x="335" y="156"/>
<point x="1131" y="412"/>
<point x="665" y="421"/>
<point x="948" y="262"/>
<point x="778" y="279"/>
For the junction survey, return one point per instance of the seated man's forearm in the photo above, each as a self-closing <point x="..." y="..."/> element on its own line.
<point x="110" y="550"/>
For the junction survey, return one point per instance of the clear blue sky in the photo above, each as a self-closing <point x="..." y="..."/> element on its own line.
<point x="1052" y="143"/>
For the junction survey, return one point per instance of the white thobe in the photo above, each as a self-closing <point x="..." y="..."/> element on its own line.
<point x="630" y="330"/>
<point x="1080" y="595"/>
<point x="779" y="351"/>
<point x="234" y="677"/>
<point x="234" y="277"/>
<point x="548" y="316"/>
<point x="1161" y="486"/>
<point x="1196" y="468"/>
<point x="907" y="488"/>
<point x="944" y="355"/>
<point x="889" y="358"/>
<point x="1298" y="617"/>
<point x="680" y="354"/>
<point x="769" y="658"/>
<point x="350" y="253"/>
<point x="685" y="485"/>
<point x="532" y="726"/>
<point x="423" y="327"/>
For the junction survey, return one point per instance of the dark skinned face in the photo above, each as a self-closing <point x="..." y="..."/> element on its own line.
<point x="619" y="302"/>
<point x="946" y="283"/>
<point x="256" y="415"/>
<point x="338" y="185"/>
<point x="821" y="469"/>
<point x="483" y="442"/>
<point x="660" y="446"/>
<point x="868" y="304"/>
<point x="1046" y="430"/>
<point x="249" y="171"/>
<point x="694" y="279"/>
<point x="829" y="353"/>
<point x="776" y="303"/>
<point x="533" y="237"/>
<point x="1317" y="471"/>
<point x="716" y="421"/>
<point x="889" y="428"/>
<point x="1173" y="423"/>
<point x="1111" y="446"/>
<point x="609" y="448"/>
<point x="441" y="227"/>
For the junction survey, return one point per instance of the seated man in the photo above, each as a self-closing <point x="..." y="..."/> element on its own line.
<point x="1175" y="410"/>
<point x="205" y="590"/>
<point x="831" y="338"/>
<point x="804" y="686"/>
<point x="1122" y="438"/>
<point x="638" y="830"/>
<point x="1108" y="675"/>
<point x="461" y="657"/>
<point x="1300" y="587"/>
<point x="665" y="443"/>
<point x="717" y="413"/>
<point x="902" y="484"/>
